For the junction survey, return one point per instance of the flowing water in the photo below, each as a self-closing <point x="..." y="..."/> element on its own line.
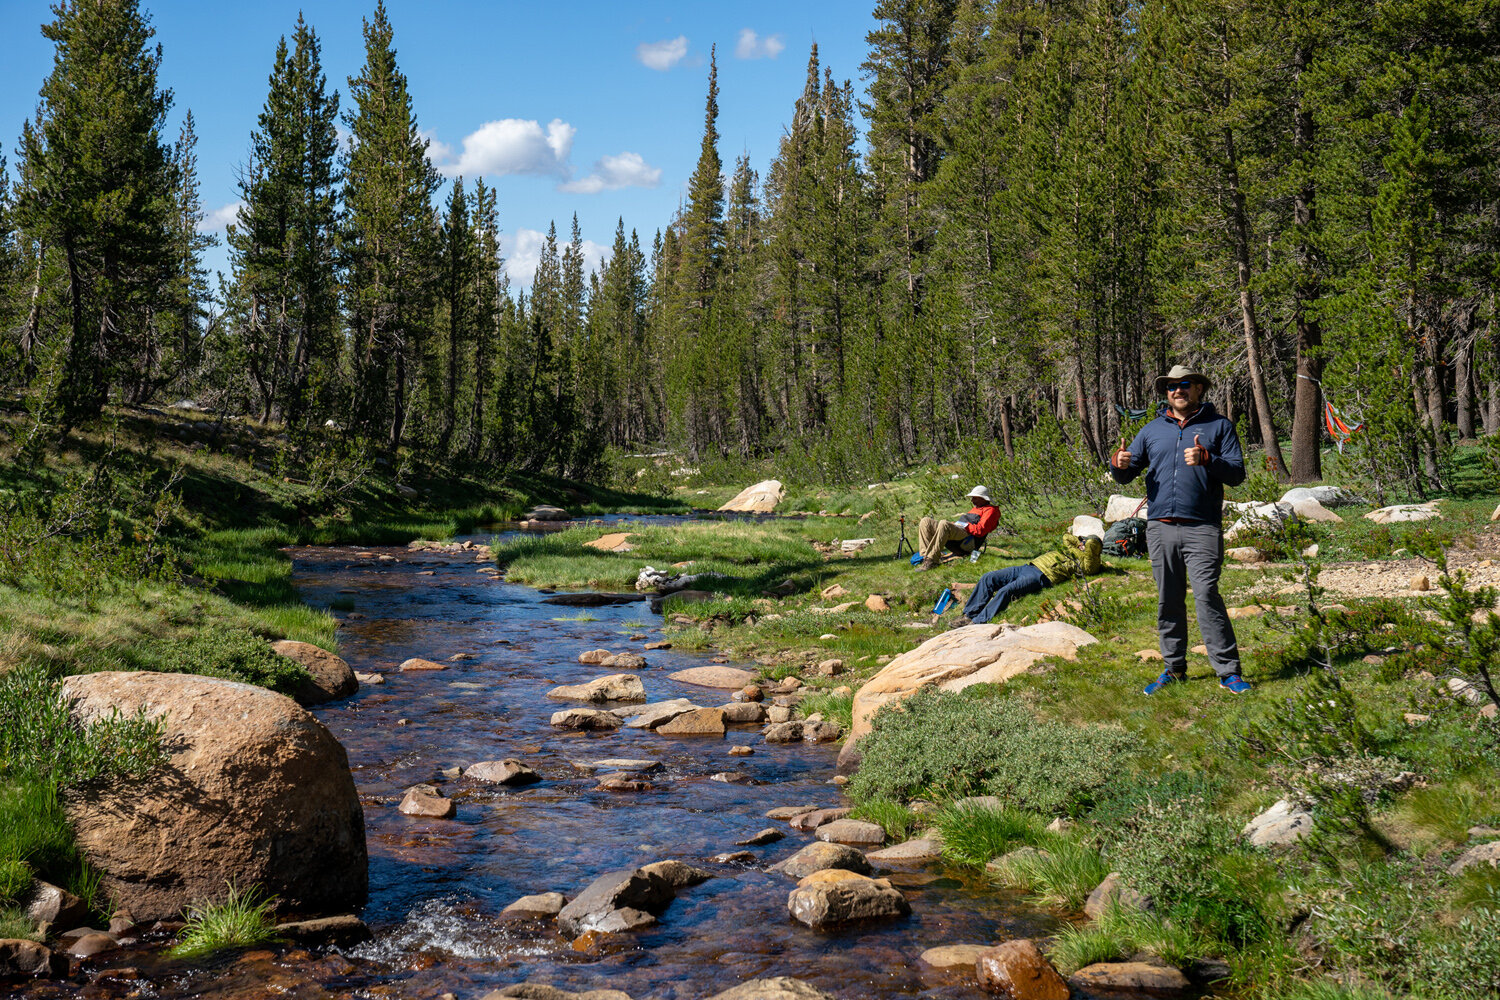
<point x="437" y="887"/>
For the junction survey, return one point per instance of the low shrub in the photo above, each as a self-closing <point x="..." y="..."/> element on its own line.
<point x="974" y="835"/>
<point x="235" y="654"/>
<point x="1190" y="863"/>
<point x="947" y="745"/>
<point x="1461" y="963"/>
<point x="239" y="920"/>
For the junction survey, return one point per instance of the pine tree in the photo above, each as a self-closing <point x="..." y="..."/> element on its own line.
<point x="695" y="381"/>
<point x="490" y="289"/>
<point x="459" y="266"/>
<point x="96" y="184"/>
<point x="388" y="239"/>
<point x="282" y="245"/>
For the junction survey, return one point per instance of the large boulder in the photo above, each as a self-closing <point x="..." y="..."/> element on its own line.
<point x="502" y="772"/>
<point x="1120" y="507"/>
<point x="761" y="498"/>
<point x="1260" y="517"/>
<point x="1311" y="510"/>
<point x="1284" y="823"/>
<point x="330" y="676"/>
<point x="612" y="687"/>
<point x="1401" y="512"/>
<point x="659" y="713"/>
<point x="959" y="658"/>
<point x="1327" y="496"/>
<point x="1085" y="525"/>
<point x="255" y="790"/>
<point x="594" y="908"/>
<point x="835" y="896"/>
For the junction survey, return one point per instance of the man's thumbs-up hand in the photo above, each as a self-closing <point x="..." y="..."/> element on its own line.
<point x="1121" y="458"/>
<point x="1196" y="454"/>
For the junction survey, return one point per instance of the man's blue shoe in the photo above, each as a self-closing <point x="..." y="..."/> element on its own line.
<point x="1235" y="683"/>
<point x="1167" y="677"/>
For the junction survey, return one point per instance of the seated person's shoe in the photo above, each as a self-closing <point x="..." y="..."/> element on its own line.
<point x="1235" y="683"/>
<point x="926" y="564"/>
<point x="1167" y="677"/>
<point x="961" y="621"/>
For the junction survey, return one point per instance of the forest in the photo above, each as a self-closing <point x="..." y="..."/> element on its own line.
<point x="1013" y="215"/>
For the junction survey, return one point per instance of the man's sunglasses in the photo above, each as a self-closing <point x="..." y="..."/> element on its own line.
<point x="1184" y="385"/>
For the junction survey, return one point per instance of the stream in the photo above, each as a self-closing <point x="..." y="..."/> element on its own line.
<point x="437" y="886"/>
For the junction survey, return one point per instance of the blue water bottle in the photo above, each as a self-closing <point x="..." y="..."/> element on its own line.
<point x="944" y="599"/>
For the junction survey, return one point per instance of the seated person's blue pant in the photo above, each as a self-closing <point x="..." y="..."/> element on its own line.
<point x="996" y="589"/>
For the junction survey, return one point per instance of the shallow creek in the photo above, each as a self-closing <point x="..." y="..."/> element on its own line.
<point x="437" y="886"/>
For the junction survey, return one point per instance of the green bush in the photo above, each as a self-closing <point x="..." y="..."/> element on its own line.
<point x="948" y="745"/>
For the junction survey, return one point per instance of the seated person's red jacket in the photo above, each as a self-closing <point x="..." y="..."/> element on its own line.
<point x="981" y="520"/>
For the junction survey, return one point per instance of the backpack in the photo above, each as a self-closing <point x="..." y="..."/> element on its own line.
<point x="1126" y="537"/>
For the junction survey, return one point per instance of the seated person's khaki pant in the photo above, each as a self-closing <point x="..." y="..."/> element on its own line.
<point x="933" y="533"/>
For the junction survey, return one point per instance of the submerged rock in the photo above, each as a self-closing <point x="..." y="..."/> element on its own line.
<point x="598" y="906"/>
<point x="777" y="988"/>
<point x="585" y="718"/>
<point x="542" y="904"/>
<point x="503" y="772"/>
<point x="342" y="931"/>
<point x="819" y="856"/>
<point x="1018" y="969"/>
<point x="679" y="874"/>
<point x="955" y="956"/>
<point x="837" y="896"/>
<point x="612" y="687"/>
<point x="424" y="800"/>
<point x="19" y="957"/>
<point x="539" y="991"/>
<point x="1129" y="976"/>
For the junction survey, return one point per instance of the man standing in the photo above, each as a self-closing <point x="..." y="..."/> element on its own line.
<point x="1191" y="453"/>
<point x="934" y="533"/>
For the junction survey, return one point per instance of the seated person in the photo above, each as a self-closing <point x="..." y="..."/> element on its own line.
<point x="996" y="589"/>
<point x="934" y="534"/>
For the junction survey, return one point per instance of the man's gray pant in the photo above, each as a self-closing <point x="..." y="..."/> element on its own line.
<point x="1196" y="551"/>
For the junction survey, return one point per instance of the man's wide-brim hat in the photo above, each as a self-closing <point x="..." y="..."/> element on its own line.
<point x="981" y="492"/>
<point x="1178" y="373"/>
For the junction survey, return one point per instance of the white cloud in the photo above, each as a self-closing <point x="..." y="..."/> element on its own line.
<point x="614" y="172"/>
<point x="514" y="146"/>
<point x="753" y="46"/>
<point x="437" y="150"/>
<point x="216" y="220"/>
<point x="662" y="55"/>
<point x="523" y="252"/>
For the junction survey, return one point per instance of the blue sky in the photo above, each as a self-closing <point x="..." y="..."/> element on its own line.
<point x="592" y="107"/>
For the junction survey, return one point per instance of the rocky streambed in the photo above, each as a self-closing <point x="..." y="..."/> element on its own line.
<point x="576" y="818"/>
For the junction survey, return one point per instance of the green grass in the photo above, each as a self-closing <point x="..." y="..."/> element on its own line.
<point x="239" y="920"/>
<point x="1062" y="876"/>
<point x="835" y="707"/>
<point x="974" y="835"/>
<point x="895" y="818"/>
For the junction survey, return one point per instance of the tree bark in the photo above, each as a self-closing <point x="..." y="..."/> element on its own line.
<point x="1005" y="432"/>
<point x="1463" y="381"/>
<point x="1307" y="404"/>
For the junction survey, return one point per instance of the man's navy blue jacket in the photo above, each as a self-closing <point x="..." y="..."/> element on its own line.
<point x="1175" y="489"/>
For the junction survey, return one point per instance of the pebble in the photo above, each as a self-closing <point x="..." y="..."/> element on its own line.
<point x="741" y="751"/>
<point x="734" y="858"/>
<point x="767" y="836"/>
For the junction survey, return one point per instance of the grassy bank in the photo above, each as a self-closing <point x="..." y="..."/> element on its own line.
<point x="1395" y="769"/>
<point x="155" y="542"/>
